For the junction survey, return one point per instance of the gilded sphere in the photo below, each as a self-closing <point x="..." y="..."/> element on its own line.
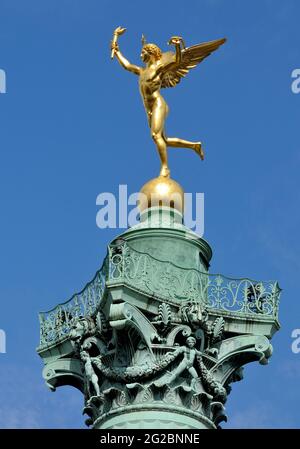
<point x="161" y="191"/>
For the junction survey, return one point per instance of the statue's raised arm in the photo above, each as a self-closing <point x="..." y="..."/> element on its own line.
<point x="115" y="51"/>
<point x="177" y="65"/>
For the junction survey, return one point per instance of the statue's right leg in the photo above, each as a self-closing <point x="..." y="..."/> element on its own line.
<point x="95" y="384"/>
<point x="157" y="126"/>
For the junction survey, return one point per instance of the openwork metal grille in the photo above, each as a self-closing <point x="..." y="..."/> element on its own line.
<point x="57" y="323"/>
<point x="154" y="277"/>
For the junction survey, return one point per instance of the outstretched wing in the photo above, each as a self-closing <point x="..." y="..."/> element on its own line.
<point x="190" y="57"/>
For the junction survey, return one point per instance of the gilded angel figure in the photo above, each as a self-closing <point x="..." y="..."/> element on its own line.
<point x="163" y="70"/>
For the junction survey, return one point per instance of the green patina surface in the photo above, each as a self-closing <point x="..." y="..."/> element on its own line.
<point x="155" y="332"/>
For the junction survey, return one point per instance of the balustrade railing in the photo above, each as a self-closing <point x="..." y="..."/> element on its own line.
<point x="154" y="277"/>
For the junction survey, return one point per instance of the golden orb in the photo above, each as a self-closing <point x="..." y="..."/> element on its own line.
<point x="161" y="191"/>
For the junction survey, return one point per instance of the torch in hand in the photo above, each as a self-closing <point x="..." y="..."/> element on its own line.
<point x="118" y="31"/>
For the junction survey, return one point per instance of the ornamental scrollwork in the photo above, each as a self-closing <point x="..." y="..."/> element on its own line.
<point x="146" y="332"/>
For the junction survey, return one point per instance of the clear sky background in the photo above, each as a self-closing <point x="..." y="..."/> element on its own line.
<point x="72" y="126"/>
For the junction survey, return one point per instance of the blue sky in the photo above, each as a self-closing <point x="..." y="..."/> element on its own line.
<point x="72" y="126"/>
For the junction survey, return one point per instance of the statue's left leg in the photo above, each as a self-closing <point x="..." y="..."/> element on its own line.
<point x="194" y="375"/>
<point x="177" y="371"/>
<point x="193" y="372"/>
<point x="181" y="143"/>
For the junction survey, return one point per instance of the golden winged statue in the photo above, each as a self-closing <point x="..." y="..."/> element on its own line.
<point x="164" y="70"/>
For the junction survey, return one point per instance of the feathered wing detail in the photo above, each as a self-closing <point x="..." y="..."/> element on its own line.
<point x="190" y="57"/>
